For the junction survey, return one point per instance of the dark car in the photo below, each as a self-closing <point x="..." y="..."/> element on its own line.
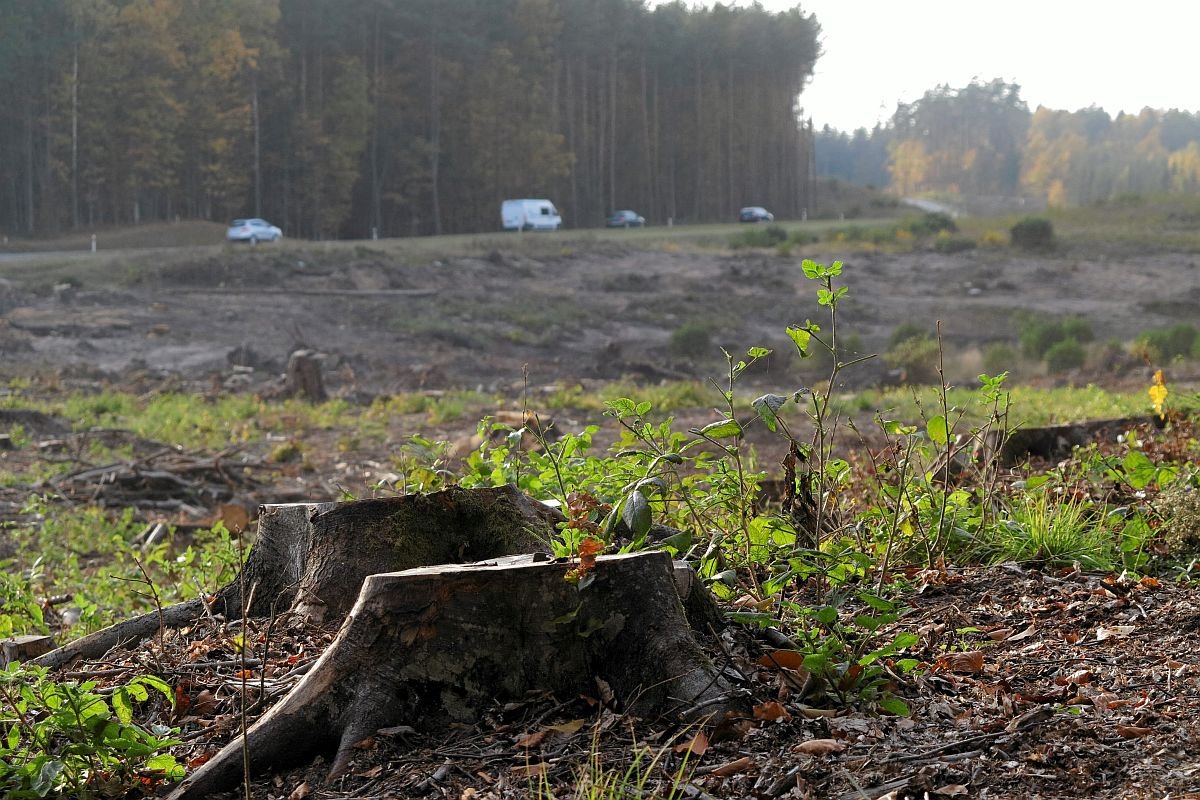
<point x="625" y="219"/>
<point x="755" y="214"/>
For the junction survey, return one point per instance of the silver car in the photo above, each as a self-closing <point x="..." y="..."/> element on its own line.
<point x="253" y="231"/>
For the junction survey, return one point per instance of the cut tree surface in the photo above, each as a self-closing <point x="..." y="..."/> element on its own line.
<point x="311" y="558"/>
<point x="434" y="644"/>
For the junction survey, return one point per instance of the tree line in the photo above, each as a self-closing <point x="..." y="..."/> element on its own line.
<point x="342" y="117"/>
<point x="982" y="139"/>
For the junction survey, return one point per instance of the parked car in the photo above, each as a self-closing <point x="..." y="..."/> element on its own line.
<point x="253" y="231"/>
<point x="625" y="219"/>
<point x="755" y="214"/>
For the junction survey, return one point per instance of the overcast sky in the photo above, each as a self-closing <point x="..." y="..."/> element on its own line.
<point x="1064" y="54"/>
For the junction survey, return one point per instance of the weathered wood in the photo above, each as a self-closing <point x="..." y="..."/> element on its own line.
<point x="304" y="376"/>
<point x="24" y="648"/>
<point x="311" y="558"/>
<point x="1051" y="442"/>
<point x="435" y="644"/>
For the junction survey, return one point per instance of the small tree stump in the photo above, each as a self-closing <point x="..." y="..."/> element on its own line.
<point x="434" y="644"/>
<point x="304" y="376"/>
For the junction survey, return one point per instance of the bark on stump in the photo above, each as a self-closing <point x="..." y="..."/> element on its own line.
<point x="304" y="376"/>
<point x="311" y="558"/>
<point x="436" y="643"/>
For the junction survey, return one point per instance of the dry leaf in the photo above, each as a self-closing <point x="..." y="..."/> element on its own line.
<point x="820" y="747"/>
<point x="531" y="770"/>
<point x="531" y="739"/>
<point x="817" y="713"/>
<point x="733" y="767"/>
<point x="1025" y="634"/>
<point x="235" y="517"/>
<point x="1080" y="678"/>
<point x="1133" y="731"/>
<point x="1000" y="634"/>
<point x="568" y="727"/>
<point x="1106" y="701"/>
<point x="370" y="774"/>
<point x="786" y="659"/>
<point x="966" y="663"/>
<point x="951" y="790"/>
<point x="697" y="745"/>
<point x="365" y="744"/>
<point x="1150" y="582"/>
<point x="771" y="711"/>
<point x="300" y="792"/>
<point x="1115" y="632"/>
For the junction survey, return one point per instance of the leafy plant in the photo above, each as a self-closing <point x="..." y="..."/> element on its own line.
<point x="1059" y="533"/>
<point x="1033" y="233"/>
<point x="70" y="739"/>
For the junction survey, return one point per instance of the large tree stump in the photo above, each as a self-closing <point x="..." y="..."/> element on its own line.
<point x="434" y="644"/>
<point x="311" y="558"/>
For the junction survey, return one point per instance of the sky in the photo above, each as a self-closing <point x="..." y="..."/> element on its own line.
<point x="1064" y="54"/>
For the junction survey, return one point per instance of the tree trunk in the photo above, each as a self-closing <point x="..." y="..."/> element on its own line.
<point x="304" y="377"/>
<point x="435" y="644"/>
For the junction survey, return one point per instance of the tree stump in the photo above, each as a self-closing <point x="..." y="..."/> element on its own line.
<point x="304" y="376"/>
<point x="435" y="644"/>
<point x="311" y="558"/>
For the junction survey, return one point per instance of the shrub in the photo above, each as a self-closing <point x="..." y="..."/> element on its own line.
<point x="917" y="357"/>
<point x="692" y="339"/>
<point x="801" y="238"/>
<point x="1178" y="341"/>
<point x="992" y="239"/>
<point x="1065" y="355"/>
<point x="1033" y="233"/>
<point x="945" y="243"/>
<point x="1039" y="335"/>
<point x="999" y="357"/>
<point x="932" y="223"/>
<point x="1078" y="328"/>
<point x="770" y="236"/>
<point x="905" y="331"/>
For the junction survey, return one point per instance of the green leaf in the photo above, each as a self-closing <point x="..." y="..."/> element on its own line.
<point x="801" y="337"/>
<point x="895" y="706"/>
<point x="895" y="428"/>
<point x="758" y="352"/>
<point x="122" y="706"/>
<point x="768" y="406"/>
<point x="812" y="270"/>
<point x="937" y="430"/>
<point x="635" y="513"/>
<point x="827" y="615"/>
<point x="721" y="429"/>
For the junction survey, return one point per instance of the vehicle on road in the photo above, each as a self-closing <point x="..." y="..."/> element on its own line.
<point x="625" y="219"/>
<point x="529" y="214"/>
<point x="755" y="214"/>
<point x="253" y="231"/>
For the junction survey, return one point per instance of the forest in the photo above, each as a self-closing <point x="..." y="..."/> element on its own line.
<point x="983" y="140"/>
<point x="344" y="118"/>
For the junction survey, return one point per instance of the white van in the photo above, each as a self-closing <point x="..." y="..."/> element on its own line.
<point x="529" y="215"/>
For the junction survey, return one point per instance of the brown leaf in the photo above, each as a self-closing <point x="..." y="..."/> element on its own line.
<point x="1115" y="632"/>
<point x="817" y="713"/>
<point x="204" y="703"/>
<point x="965" y="663"/>
<point x="734" y="767"/>
<point x="530" y="740"/>
<point x="1080" y="678"/>
<point x="1000" y="634"/>
<point x="951" y="790"/>
<point x="1133" y="731"/>
<point x="531" y="770"/>
<point x="785" y="659"/>
<point x="370" y="774"/>
<point x="697" y="745"/>
<point x="771" y="711"/>
<point x="1106" y="701"/>
<point x="1023" y="635"/>
<point x="567" y="727"/>
<point x="235" y="517"/>
<point x="300" y="792"/>
<point x="365" y="744"/>
<point x="820" y="747"/>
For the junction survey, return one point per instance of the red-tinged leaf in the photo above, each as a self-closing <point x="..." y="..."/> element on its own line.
<point x="531" y="770"/>
<point x="567" y="727"/>
<point x="786" y="659"/>
<point x="697" y="745"/>
<point x="1000" y="634"/>
<point x="1150" y="582"/>
<point x="531" y="740"/>
<point x="300" y="792"/>
<point x="293" y="659"/>
<point x="820" y="747"/>
<point x="198" y="762"/>
<point x="369" y="774"/>
<point x="850" y="677"/>
<point x="965" y="663"/>
<point x="1071" y="637"/>
<point x="204" y="703"/>
<point x="365" y="744"/>
<point x="1133" y="731"/>
<point x="244" y="673"/>
<point x="734" y="767"/>
<point x="1081" y="678"/>
<point x="771" y="711"/>
<point x="1106" y="701"/>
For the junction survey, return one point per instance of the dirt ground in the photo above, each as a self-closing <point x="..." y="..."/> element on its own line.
<point x="589" y="312"/>
<point x="1084" y="687"/>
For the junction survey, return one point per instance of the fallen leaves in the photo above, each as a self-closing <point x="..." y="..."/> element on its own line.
<point x="820" y="747"/>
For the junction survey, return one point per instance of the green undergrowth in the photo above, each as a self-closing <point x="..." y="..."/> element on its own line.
<point x="875" y="486"/>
